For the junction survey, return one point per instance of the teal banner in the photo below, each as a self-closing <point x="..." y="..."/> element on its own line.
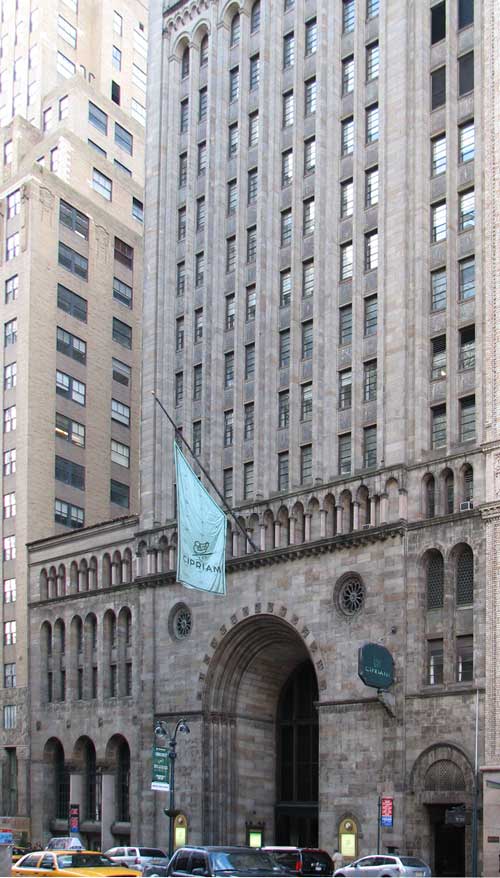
<point x="201" y="545"/>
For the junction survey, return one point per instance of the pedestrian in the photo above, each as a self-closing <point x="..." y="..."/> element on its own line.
<point x="338" y="859"/>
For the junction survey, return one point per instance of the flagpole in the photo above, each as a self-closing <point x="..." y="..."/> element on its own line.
<point x="179" y="435"/>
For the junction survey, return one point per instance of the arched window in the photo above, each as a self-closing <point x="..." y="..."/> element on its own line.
<point x="255" y="17"/>
<point x="92" y="805"/>
<point x="430" y="496"/>
<point x="298" y="739"/>
<point x="449" y="491"/>
<point x="185" y="63"/>
<point x="235" y="29"/>
<point x="61" y="784"/>
<point x="435" y="580"/>
<point x="465" y="577"/>
<point x="468" y="483"/>
<point x="123" y="783"/>
<point x="204" y="51"/>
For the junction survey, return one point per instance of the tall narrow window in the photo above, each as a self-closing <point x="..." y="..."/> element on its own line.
<point x="435" y="655"/>
<point x="466" y="141"/>
<point x="438" y="155"/>
<point x="438" y="88"/>
<point x="438" y="289"/>
<point x="438" y="22"/>
<point x="438" y="426"/>
<point x="466" y="73"/>
<point x="283" y="408"/>
<point x="438" y="222"/>
<point x="347" y="75"/>
<point x="468" y="419"/>
<point x="467" y="279"/>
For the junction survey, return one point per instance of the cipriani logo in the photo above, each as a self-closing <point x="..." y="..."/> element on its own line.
<point x="201" y="549"/>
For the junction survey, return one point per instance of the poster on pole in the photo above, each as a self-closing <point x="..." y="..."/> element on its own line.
<point x="161" y="769"/>
<point x="74" y="819"/>
<point x="386" y="811"/>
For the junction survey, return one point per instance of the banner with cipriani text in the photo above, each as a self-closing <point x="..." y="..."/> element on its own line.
<point x="201" y="544"/>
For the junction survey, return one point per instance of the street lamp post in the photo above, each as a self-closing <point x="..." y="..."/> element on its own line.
<point x="161" y="731"/>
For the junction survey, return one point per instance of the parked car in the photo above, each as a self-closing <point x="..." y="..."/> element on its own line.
<point x="135" y="857"/>
<point x="227" y="861"/>
<point x="385" y="865"/>
<point x="156" y="869"/>
<point x="302" y="861"/>
<point x="64" y="843"/>
<point x="79" y="864"/>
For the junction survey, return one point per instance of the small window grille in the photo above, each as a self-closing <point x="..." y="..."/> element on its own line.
<point x="444" y="775"/>
<point x="435" y="581"/>
<point x="465" y="577"/>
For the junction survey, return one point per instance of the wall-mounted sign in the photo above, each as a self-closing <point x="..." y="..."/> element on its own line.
<point x="375" y="666"/>
<point x="386" y="811"/>
<point x="74" y="818"/>
<point x="6" y="836"/>
<point x="161" y="769"/>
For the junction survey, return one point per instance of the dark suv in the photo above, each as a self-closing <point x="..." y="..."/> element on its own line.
<point x="302" y="861"/>
<point x="227" y="861"/>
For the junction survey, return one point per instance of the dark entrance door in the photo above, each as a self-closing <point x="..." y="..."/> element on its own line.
<point x="297" y="747"/>
<point x="449" y="844"/>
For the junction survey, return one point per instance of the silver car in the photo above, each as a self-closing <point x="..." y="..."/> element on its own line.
<point x="135" y="857"/>
<point x="385" y="865"/>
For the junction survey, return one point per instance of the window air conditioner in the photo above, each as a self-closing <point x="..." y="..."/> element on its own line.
<point x="466" y="506"/>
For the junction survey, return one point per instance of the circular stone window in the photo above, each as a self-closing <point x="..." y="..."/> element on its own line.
<point x="181" y="622"/>
<point x="350" y="595"/>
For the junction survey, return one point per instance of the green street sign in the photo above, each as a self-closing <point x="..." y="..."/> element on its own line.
<point x="161" y="769"/>
<point x="375" y="666"/>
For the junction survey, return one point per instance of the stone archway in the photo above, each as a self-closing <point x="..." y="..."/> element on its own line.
<point x="442" y="781"/>
<point x="242" y="686"/>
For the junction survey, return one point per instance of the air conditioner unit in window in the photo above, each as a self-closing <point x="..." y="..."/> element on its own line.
<point x="367" y="525"/>
<point x="466" y="506"/>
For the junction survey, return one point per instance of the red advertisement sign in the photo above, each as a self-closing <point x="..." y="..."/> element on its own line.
<point x="386" y="811"/>
<point x="74" y="818"/>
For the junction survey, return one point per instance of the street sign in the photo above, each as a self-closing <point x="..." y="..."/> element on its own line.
<point x="161" y="769"/>
<point x="375" y="666"/>
<point x="74" y="818"/>
<point x="386" y="811"/>
<point x="455" y="817"/>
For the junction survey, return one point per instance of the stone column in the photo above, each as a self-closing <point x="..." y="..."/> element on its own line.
<point x="291" y="531"/>
<point x="262" y="537"/>
<point x="115" y="578"/>
<point x="339" y="510"/>
<point x="307" y="527"/>
<point x="82" y="576"/>
<point x="277" y="534"/>
<point x="249" y="548"/>
<point x="138" y="565"/>
<point x="171" y="557"/>
<point x="92" y="574"/>
<point x="322" y="515"/>
<point x="125" y="573"/>
<point x="108" y="808"/>
<point x="403" y="504"/>
<point x="235" y="543"/>
<point x="355" y="517"/>
<point x="151" y="556"/>
<point x="383" y="508"/>
<point x="76" y="793"/>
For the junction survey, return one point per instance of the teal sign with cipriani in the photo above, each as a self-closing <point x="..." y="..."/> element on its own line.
<point x="375" y="666"/>
<point x="201" y="551"/>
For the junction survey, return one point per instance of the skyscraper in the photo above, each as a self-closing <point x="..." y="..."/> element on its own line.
<point x="72" y="107"/>
<point x="319" y="318"/>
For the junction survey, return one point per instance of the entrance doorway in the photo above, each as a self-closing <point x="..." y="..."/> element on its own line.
<point x="449" y="844"/>
<point x="296" y="811"/>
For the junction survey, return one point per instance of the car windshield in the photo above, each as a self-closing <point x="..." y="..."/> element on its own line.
<point x="151" y="852"/>
<point x="84" y="861"/>
<point x="256" y="862"/>
<point x="412" y="861"/>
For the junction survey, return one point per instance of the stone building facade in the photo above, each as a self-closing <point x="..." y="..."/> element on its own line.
<point x="319" y="318"/>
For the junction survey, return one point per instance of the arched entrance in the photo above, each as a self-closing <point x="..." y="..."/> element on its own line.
<point x="260" y="680"/>
<point x="443" y="782"/>
<point x="297" y="751"/>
